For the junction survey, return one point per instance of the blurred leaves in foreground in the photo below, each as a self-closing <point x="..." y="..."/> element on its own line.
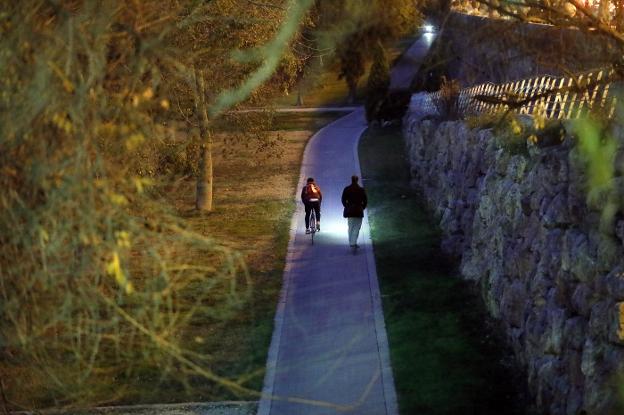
<point x="101" y="284"/>
<point x="597" y="151"/>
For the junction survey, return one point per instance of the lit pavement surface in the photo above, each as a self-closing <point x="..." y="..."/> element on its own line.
<point x="406" y="67"/>
<point x="329" y="352"/>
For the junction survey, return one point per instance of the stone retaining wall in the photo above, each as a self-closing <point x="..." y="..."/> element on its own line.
<point x="547" y="268"/>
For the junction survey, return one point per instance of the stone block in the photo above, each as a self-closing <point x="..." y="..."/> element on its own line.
<point x="614" y="283"/>
<point x="547" y="375"/>
<point x="576" y="256"/>
<point x="502" y="162"/>
<point x="513" y="304"/>
<point x="564" y="288"/>
<point x="619" y="230"/>
<point x="609" y="253"/>
<point x="535" y="328"/>
<point x="598" y="397"/>
<point x="516" y="170"/>
<point x="540" y="285"/>
<point x="552" y="340"/>
<point x="582" y="300"/>
<point x="598" y="320"/>
<point x="574" y="402"/>
<point x="591" y="358"/>
<point x="556" y="214"/>
<point x="574" y="333"/>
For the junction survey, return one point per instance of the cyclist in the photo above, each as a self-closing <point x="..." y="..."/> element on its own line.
<point x="312" y="197"/>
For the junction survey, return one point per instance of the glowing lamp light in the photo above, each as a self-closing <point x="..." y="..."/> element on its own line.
<point x="428" y="28"/>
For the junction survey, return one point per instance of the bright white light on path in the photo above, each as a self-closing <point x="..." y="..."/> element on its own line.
<point x="428" y="28"/>
<point x="429" y="38"/>
<point x="335" y="227"/>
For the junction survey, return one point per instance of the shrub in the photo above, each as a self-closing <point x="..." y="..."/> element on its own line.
<point x="447" y="104"/>
<point x="378" y="83"/>
<point x="394" y="106"/>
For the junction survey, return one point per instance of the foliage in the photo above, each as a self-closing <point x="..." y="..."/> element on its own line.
<point x="355" y="30"/>
<point x="101" y="283"/>
<point x="483" y="120"/>
<point x="447" y="105"/>
<point x="394" y="106"/>
<point x="516" y="133"/>
<point x="597" y="150"/>
<point x="511" y="135"/>
<point x="377" y="84"/>
<point x="434" y="66"/>
<point x="253" y="130"/>
<point x="351" y="64"/>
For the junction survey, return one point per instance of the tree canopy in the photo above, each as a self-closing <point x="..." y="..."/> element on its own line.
<point x="355" y="30"/>
<point x="92" y="288"/>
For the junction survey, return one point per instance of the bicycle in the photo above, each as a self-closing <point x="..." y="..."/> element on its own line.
<point x="312" y="225"/>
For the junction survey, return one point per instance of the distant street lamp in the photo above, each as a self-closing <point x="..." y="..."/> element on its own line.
<point x="428" y="28"/>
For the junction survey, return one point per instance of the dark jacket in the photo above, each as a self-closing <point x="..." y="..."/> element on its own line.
<point x="306" y="196"/>
<point x="354" y="201"/>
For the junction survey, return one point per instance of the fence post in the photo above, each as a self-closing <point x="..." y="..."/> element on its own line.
<point x="522" y="96"/>
<point x="558" y="103"/>
<point x="576" y="82"/>
<point x="585" y="97"/>
<point x="477" y="104"/>
<point x="539" y="105"/>
<point x="595" y="89"/>
<point x="613" y="106"/>
<point x="564" y="98"/>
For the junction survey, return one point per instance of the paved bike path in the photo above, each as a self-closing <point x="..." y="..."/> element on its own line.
<point x="329" y="352"/>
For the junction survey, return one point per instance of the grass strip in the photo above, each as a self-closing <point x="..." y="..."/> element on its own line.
<point x="445" y="356"/>
<point x="252" y="212"/>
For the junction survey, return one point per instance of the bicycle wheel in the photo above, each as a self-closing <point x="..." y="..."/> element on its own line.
<point x="312" y="225"/>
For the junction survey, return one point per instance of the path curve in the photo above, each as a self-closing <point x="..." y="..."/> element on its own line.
<point x="329" y="351"/>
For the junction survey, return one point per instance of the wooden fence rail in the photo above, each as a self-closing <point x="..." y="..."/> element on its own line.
<point x="547" y="96"/>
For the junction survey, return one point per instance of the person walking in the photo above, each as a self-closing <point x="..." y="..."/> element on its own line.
<point x="354" y="201"/>
<point x="312" y="197"/>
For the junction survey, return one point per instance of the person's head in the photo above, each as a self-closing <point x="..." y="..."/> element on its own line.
<point x="310" y="179"/>
<point x="354" y="179"/>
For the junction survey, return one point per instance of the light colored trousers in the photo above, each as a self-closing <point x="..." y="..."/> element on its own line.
<point x="354" y="229"/>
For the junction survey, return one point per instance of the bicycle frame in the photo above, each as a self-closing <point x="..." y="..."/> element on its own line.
<point x="312" y="225"/>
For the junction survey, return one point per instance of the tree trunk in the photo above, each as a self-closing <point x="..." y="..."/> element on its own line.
<point x="352" y="85"/>
<point x="299" y="97"/>
<point x="603" y="11"/>
<point x="203" y="198"/>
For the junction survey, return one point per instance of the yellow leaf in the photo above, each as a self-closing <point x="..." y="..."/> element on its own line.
<point x="129" y="288"/>
<point x="118" y="199"/>
<point x="148" y="93"/>
<point x="113" y="268"/>
<point x="515" y="127"/>
<point x="123" y="239"/>
<point x="43" y="235"/>
<point x="134" y="141"/>
<point x="141" y="182"/>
